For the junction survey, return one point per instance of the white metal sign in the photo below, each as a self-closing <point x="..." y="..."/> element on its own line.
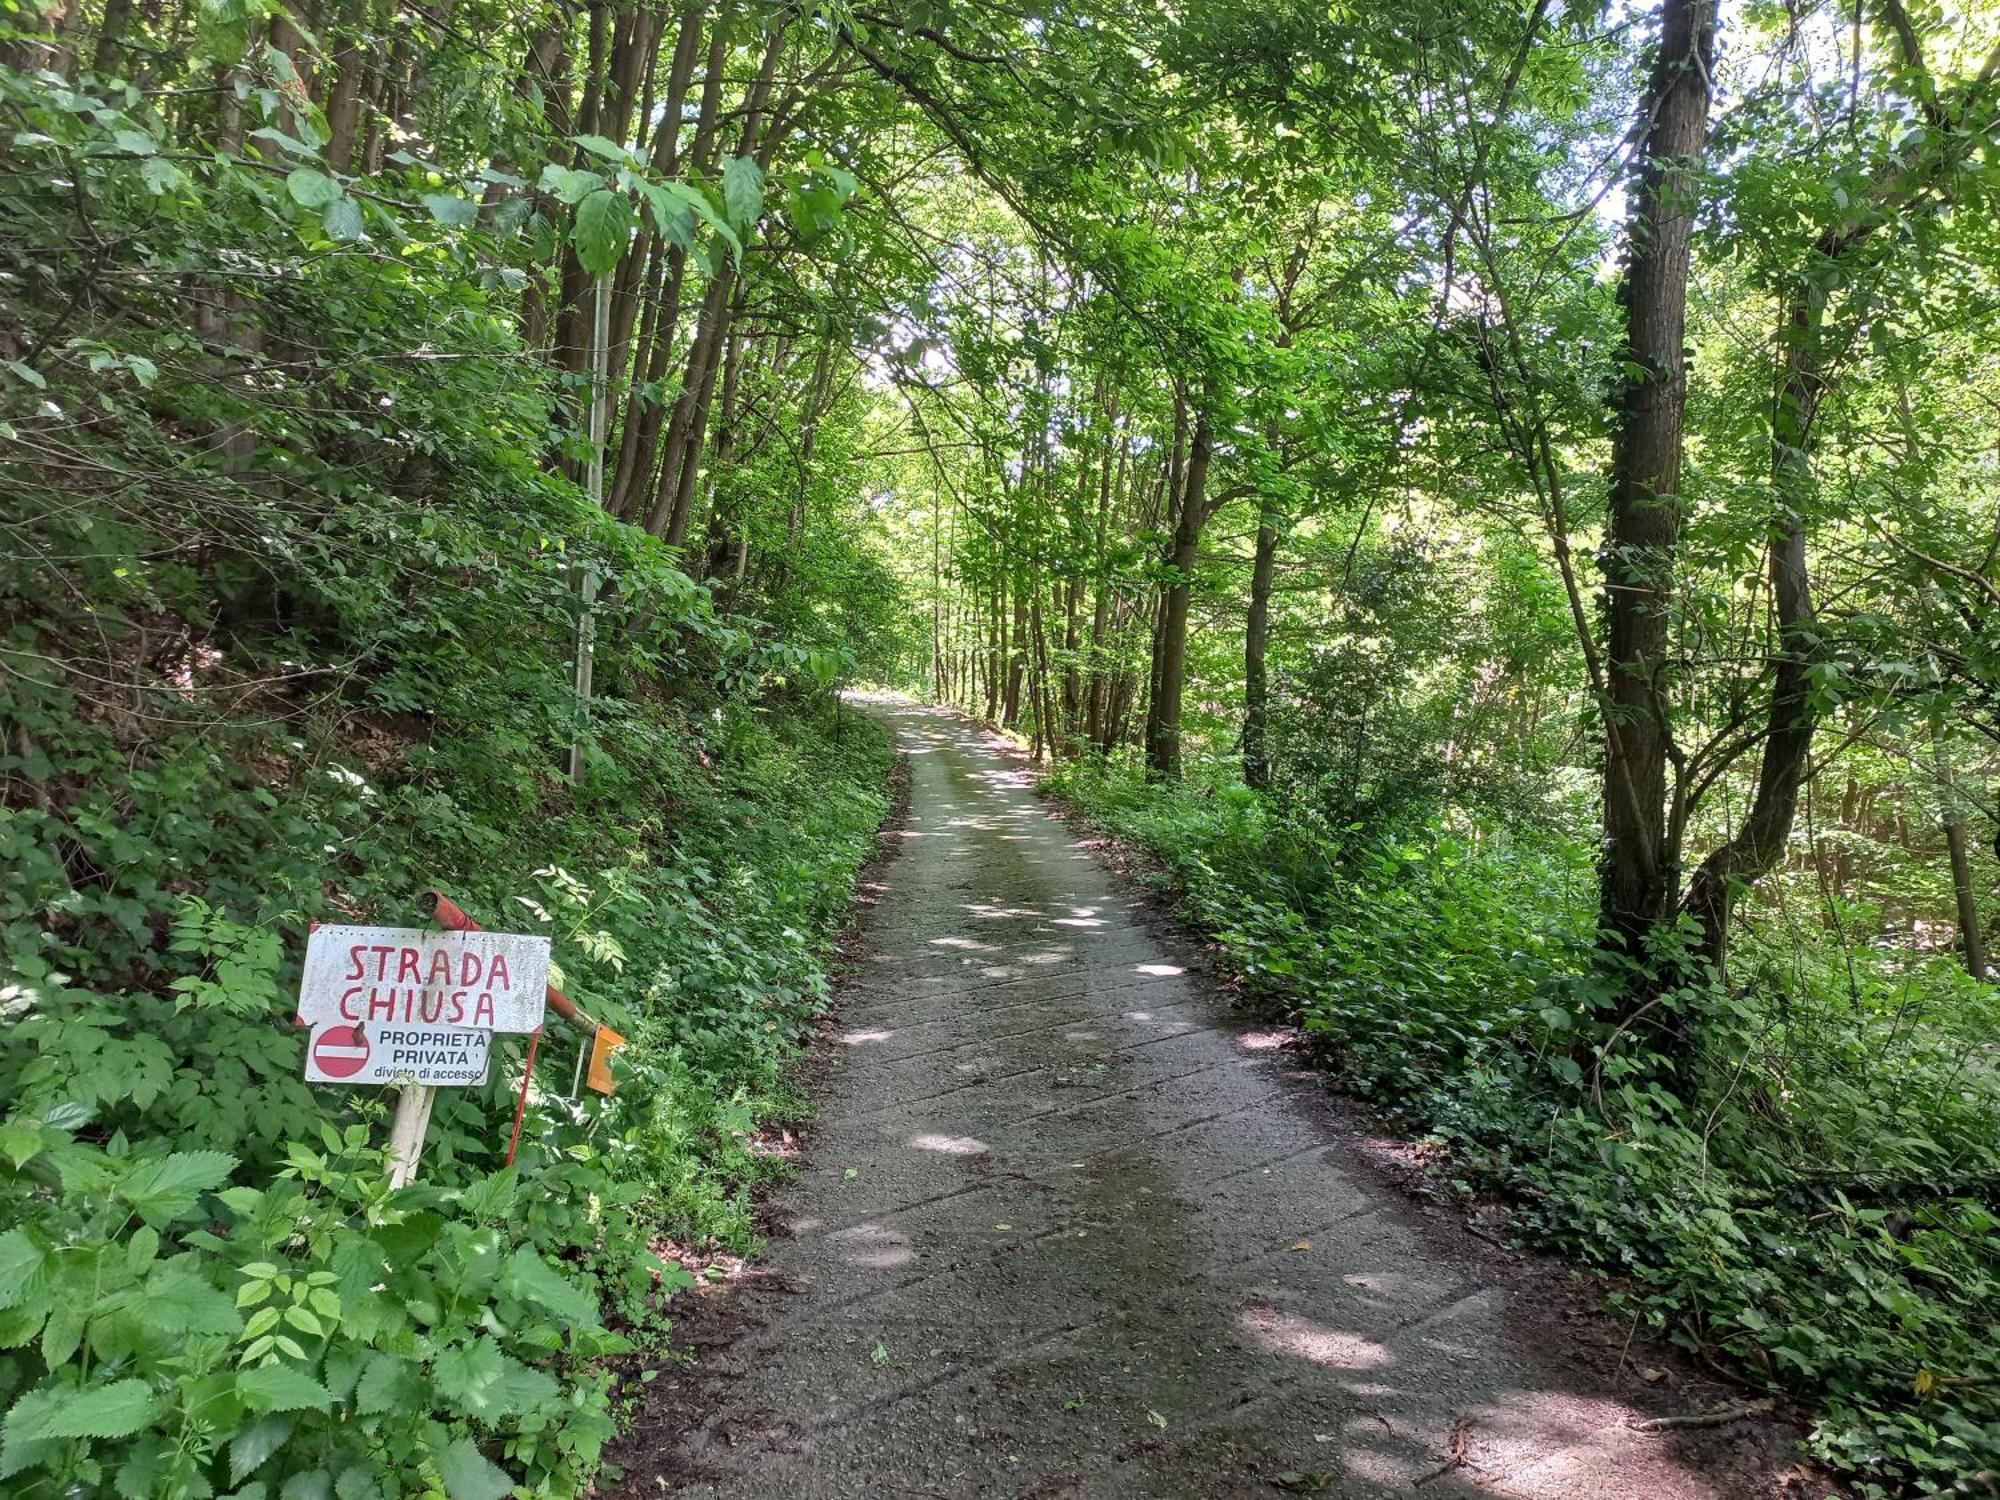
<point x="414" y="980"/>
<point x="387" y="1052"/>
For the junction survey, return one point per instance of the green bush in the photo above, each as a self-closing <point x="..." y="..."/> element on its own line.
<point x="207" y="1286"/>
<point x="286" y="634"/>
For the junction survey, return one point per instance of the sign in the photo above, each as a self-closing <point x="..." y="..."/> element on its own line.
<point x="338" y="1051"/>
<point x="408" y="979"/>
<point x="391" y="1052"/>
<point x="602" y="1046"/>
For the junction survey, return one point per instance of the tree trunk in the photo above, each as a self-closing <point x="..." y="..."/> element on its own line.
<point x="996" y="649"/>
<point x="111" y="38"/>
<point x="350" y="71"/>
<point x="1971" y="934"/>
<point x="1256" y="636"/>
<point x="1163" y="748"/>
<point x="1637" y="875"/>
<point x="1793" y="716"/>
<point x="1010" y="713"/>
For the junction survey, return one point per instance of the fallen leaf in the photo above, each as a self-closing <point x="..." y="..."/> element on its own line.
<point x="1302" y="1244"/>
<point x="1155" y="1418"/>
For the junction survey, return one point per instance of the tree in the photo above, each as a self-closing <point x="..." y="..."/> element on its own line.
<point x="1640" y="871"/>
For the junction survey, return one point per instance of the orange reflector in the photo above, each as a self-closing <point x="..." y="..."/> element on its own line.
<point x="599" y="1076"/>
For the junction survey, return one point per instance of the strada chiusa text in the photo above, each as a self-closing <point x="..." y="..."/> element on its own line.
<point x="403" y="987"/>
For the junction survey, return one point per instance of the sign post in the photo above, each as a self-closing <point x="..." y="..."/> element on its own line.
<point x="415" y="1008"/>
<point x="406" y="1132"/>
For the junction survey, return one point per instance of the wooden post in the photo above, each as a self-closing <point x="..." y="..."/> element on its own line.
<point x="406" y="1135"/>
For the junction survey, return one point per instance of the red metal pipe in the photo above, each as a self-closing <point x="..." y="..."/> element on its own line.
<point x="521" y="1104"/>
<point x="449" y="915"/>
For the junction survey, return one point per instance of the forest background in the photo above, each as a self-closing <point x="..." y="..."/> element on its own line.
<point x="1503" y="499"/>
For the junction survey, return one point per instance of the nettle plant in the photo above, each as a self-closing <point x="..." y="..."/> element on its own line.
<point x="171" y="1334"/>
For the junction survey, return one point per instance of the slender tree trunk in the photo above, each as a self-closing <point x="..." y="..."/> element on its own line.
<point x="1017" y="659"/>
<point x="645" y="412"/>
<point x="352" y="63"/>
<point x="1256" y="635"/>
<point x="727" y="534"/>
<point x="674" y="498"/>
<point x="1971" y="932"/>
<point x="997" y="652"/>
<point x="1041" y="692"/>
<point x="110" y="39"/>
<point x="1759" y="842"/>
<point x="1072" y="680"/>
<point x="1637" y="874"/>
<point x="1163" y="747"/>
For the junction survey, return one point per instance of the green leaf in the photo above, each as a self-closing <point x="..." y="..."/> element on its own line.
<point x="144" y="1474"/>
<point x="597" y="145"/>
<point x="342" y="219"/>
<point x="281" y="1388"/>
<point x="742" y="191"/>
<point x="63" y="1332"/>
<point x="167" y="1187"/>
<point x="569" y="184"/>
<point x="527" y="1276"/>
<point x="24" y="1436"/>
<point x="161" y="175"/>
<point x="282" y="141"/>
<point x="19" y="1325"/>
<point x="451" y="209"/>
<point x="467" y="1474"/>
<point x="697" y="203"/>
<point x="108" y="1411"/>
<point x="521" y="1389"/>
<point x="388" y="1382"/>
<point x="310" y="1484"/>
<point x="675" y="220"/>
<point x="179" y="1299"/>
<point x="311" y="188"/>
<point x="467" y="1375"/>
<point x="251" y="1447"/>
<point x="23" y="1265"/>
<point x="603" y="228"/>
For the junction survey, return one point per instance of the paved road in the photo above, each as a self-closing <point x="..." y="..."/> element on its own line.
<point x="1066" y="1230"/>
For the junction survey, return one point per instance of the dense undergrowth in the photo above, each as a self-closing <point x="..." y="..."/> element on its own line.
<point x="287" y="622"/>
<point x="184" y="1206"/>
<point x="1816" y="1207"/>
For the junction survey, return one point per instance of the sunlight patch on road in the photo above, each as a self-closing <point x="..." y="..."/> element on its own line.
<point x="873" y="1247"/>
<point x="950" y="1145"/>
<point x="1302" y="1338"/>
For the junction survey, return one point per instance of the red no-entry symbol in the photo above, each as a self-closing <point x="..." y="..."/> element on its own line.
<point x="341" y="1051"/>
